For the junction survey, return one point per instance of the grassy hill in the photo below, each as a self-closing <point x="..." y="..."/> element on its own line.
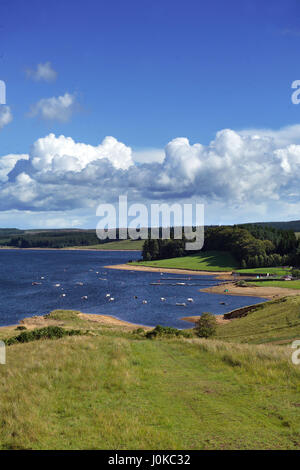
<point x="275" y="321"/>
<point x="200" y="261"/>
<point x="112" y="388"/>
<point x="115" y="245"/>
<point x="284" y="284"/>
<point x="290" y="225"/>
<point x="263" y="270"/>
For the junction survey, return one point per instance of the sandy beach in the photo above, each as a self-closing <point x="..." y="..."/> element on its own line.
<point x="127" y="267"/>
<point x="265" y="292"/>
<point x="31" y="323"/>
<point x="43" y="321"/>
<point x="39" y="321"/>
<point x="110" y="321"/>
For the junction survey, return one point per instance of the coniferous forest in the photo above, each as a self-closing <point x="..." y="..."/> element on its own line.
<point x="252" y="245"/>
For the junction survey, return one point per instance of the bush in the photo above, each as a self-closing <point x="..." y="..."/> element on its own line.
<point x="166" y="331"/>
<point x="206" y="326"/>
<point x="242" y="283"/>
<point x="49" y="332"/>
<point x="296" y="273"/>
<point x="138" y="331"/>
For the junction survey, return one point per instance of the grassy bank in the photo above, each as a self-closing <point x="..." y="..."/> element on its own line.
<point x="201" y="261"/>
<point x="113" y="388"/>
<point x="276" y="321"/>
<point x="284" y="284"/>
<point x="272" y="271"/>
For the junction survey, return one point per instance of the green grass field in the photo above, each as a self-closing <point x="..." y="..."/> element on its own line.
<point x="115" y="389"/>
<point x="201" y="261"/>
<point x="116" y="245"/>
<point x="285" y="284"/>
<point x="273" y="271"/>
<point x="274" y="321"/>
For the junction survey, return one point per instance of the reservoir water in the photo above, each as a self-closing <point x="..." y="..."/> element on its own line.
<point x="34" y="282"/>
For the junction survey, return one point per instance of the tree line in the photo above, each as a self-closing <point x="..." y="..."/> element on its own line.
<point x="54" y="239"/>
<point x="251" y="245"/>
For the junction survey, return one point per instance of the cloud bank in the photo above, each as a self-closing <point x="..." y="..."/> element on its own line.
<point x="252" y="172"/>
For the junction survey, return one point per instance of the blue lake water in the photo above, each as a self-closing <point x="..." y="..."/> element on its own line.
<point x="19" y="298"/>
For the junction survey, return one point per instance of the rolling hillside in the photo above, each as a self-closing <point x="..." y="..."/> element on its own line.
<point x="112" y="388"/>
<point x="276" y="321"/>
<point x="201" y="261"/>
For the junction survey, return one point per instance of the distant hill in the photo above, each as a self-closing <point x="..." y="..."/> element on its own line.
<point x="68" y="237"/>
<point x="62" y="238"/>
<point x="291" y="225"/>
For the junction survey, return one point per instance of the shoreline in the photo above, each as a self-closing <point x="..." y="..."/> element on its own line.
<point x="263" y="292"/>
<point x="39" y="321"/>
<point x="109" y="320"/>
<point x="193" y="318"/>
<point x="267" y="293"/>
<point x="127" y="267"/>
<point x="62" y="249"/>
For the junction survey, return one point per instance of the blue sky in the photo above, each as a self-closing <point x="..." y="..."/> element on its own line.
<point x="148" y="72"/>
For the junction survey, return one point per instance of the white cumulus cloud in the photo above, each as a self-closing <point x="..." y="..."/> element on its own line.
<point x="43" y="71"/>
<point x="58" y="108"/>
<point x="237" y="173"/>
<point x="7" y="163"/>
<point x="5" y="115"/>
<point x="282" y="137"/>
<point x="148" y="155"/>
<point x="62" y="154"/>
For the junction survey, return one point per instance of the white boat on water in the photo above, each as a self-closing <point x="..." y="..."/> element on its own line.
<point x="180" y="304"/>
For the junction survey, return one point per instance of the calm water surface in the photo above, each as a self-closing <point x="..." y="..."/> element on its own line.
<point x="82" y="273"/>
